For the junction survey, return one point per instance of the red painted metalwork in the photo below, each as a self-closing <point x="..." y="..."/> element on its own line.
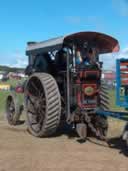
<point x="124" y="82"/>
<point x="124" y="69"/>
<point x="124" y="75"/>
<point x="97" y="73"/>
<point x="84" y="74"/>
<point x="81" y="96"/>
<point x="124" y="64"/>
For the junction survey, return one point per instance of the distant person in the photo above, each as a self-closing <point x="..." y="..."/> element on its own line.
<point x="78" y="57"/>
<point x="86" y="57"/>
<point x="90" y="56"/>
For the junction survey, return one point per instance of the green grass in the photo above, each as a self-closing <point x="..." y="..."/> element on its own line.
<point x="3" y="96"/>
<point x="113" y="106"/>
<point x="11" y="82"/>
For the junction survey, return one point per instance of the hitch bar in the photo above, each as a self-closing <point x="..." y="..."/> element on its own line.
<point x="118" y="115"/>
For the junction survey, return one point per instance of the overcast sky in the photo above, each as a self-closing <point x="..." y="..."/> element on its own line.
<point x="37" y="20"/>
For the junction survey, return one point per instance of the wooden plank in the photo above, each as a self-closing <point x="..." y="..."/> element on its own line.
<point x="124" y="82"/>
<point x="124" y="64"/>
<point x="124" y="75"/>
<point x="124" y="69"/>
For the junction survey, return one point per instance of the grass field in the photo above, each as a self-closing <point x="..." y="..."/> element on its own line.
<point x="11" y="82"/>
<point x="113" y="102"/>
<point x="3" y="95"/>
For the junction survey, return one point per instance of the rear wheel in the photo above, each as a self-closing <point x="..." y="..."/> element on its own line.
<point x="104" y="97"/>
<point x="13" y="111"/>
<point x="43" y="105"/>
<point x="101" y="122"/>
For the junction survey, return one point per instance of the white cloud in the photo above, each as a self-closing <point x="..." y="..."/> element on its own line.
<point x="109" y="60"/>
<point x="20" y="63"/>
<point x="16" y="59"/>
<point x="20" y="60"/>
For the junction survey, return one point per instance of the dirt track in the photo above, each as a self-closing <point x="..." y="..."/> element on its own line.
<point x="20" y="151"/>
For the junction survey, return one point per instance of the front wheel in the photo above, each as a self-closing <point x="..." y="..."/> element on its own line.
<point x="13" y="110"/>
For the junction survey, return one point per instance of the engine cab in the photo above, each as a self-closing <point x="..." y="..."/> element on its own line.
<point x="86" y="79"/>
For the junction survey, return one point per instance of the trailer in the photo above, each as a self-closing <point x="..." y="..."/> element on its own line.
<point x="121" y="95"/>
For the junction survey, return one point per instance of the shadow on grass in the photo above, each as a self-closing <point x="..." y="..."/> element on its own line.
<point x="119" y="144"/>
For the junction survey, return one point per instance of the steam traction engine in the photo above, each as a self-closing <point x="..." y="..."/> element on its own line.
<point x="57" y="88"/>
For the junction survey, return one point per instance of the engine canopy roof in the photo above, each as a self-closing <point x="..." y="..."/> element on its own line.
<point x="104" y="43"/>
